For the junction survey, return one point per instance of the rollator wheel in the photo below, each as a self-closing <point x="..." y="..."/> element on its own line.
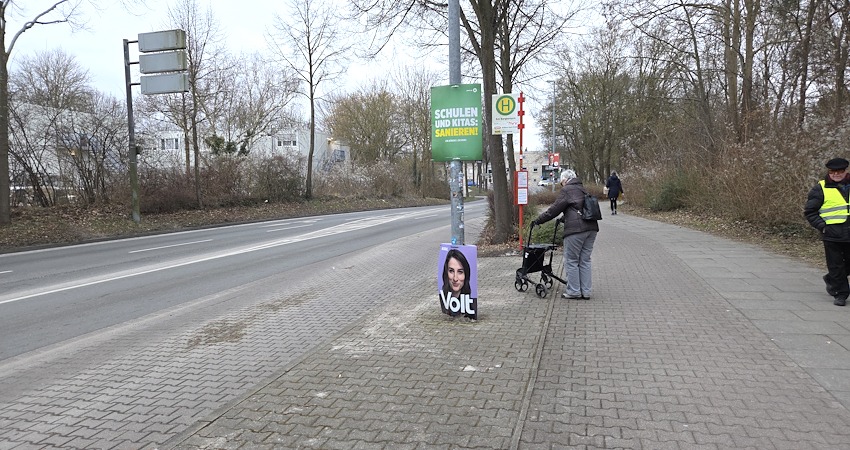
<point x="518" y="285"/>
<point x="547" y="281"/>
<point x="541" y="290"/>
<point x="524" y="286"/>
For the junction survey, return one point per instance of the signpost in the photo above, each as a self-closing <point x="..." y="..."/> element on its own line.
<point x="165" y="59"/>
<point x="506" y="116"/>
<point x="163" y="62"/>
<point x="456" y="138"/>
<point x="168" y="83"/>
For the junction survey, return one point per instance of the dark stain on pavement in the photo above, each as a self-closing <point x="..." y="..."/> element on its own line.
<point x="218" y="332"/>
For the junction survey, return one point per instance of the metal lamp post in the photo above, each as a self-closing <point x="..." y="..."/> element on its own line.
<point x="456" y="181"/>
<point x="553" y="130"/>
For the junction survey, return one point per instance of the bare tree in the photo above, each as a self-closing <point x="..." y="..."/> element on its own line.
<point x="47" y="92"/>
<point x="35" y="161"/>
<point x="309" y="40"/>
<point x="53" y="79"/>
<point x="494" y="29"/>
<point x="90" y="143"/>
<point x="58" y="12"/>
<point x="369" y="122"/>
<point x="45" y="13"/>
<point x="203" y="42"/>
<point x="596" y="97"/>
<point x="529" y="31"/>
<point x="248" y="98"/>
<point x="413" y="86"/>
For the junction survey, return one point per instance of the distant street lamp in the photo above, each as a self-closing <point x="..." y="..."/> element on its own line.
<point x="553" y="133"/>
<point x="553" y="115"/>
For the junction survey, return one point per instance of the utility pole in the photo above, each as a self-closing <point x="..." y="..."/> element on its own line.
<point x="456" y="173"/>
<point x="163" y="56"/>
<point x="133" y="161"/>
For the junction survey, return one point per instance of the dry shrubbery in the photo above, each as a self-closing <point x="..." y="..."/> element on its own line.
<point x="238" y="181"/>
<point x="764" y="183"/>
<point x="753" y="192"/>
<point x="234" y="190"/>
<point x="381" y="180"/>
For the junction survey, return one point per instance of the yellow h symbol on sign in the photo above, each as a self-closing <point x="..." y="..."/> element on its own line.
<point x="506" y="105"/>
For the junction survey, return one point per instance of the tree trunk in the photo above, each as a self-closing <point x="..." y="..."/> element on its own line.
<point x="5" y="189"/>
<point x="486" y="13"/>
<point x="501" y="197"/>
<point x="841" y="57"/>
<point x="753" y="8"/>
<point x="732" y="41"/>
<point x="805" y="50"/>
<point x="186" y="140"/>
<point x="308" y="192"/>
<point x="197" y="148"/>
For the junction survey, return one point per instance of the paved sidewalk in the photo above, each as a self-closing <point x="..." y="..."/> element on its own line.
<point x="689" y="342"/>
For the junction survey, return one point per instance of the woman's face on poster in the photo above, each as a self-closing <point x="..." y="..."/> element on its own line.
<point x="457" y="276"/>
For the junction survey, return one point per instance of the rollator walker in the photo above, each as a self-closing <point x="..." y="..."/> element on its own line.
<point x="534" y="260"/>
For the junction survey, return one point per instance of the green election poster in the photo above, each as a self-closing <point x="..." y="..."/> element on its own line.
<point x="456" y="122"/>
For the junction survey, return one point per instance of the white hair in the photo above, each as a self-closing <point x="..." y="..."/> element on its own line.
<point x="567" y="175"/>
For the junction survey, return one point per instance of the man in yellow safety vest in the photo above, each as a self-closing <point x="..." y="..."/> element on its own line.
<point x="827" y="209"/>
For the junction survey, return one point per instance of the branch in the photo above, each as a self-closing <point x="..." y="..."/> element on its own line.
<point x="37" y="21"/>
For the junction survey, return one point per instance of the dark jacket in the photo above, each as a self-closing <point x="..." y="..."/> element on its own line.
<point x="615" y="187"/>
<point x="838" y="232"/>
<point x="570" y="201"/>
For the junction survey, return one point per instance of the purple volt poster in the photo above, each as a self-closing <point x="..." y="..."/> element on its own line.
<point x="457" y="280"/>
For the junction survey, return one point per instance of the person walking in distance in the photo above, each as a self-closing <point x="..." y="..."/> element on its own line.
<point x="579" y="235"/>
<point x="827" y="209"/>
<point x="615" y="188"/>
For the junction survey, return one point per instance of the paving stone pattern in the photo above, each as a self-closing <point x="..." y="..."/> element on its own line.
<point x="658" y="358"/>
<point x="137" y="385"/>
<point x="689" y="342"/>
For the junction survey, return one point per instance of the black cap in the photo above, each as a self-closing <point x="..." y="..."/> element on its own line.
<point x="837" y="164"/>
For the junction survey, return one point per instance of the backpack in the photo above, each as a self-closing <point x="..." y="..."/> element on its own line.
<point x="590" y="209"/>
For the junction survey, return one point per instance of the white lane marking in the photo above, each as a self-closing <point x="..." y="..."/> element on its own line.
<point x="424" y="210"/>
<point x="287" y="228"/>
<point x="5" y="271"/>
<point x="168" y="246"/>
<point x="350" y="226"/>
<point x="289" y="222"/>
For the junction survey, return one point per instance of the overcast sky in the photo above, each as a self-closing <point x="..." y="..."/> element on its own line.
<point x="99" y="48"/>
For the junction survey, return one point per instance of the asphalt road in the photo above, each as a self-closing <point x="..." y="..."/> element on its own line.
<point x="54" y="295"/>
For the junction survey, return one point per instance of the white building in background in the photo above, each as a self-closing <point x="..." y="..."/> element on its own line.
<point x="537" y="165"/>
<point x="167" y="149"/>
<point x="54" y="148"/>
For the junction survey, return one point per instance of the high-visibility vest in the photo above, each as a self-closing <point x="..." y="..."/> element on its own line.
<point x="834" y="209"/>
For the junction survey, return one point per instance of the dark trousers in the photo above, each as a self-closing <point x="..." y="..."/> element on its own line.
<point x="838" y="262"/>
<point x="613" y="203"/>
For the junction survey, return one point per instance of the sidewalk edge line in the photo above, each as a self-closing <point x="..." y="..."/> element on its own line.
<point x="516" y="435"/>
